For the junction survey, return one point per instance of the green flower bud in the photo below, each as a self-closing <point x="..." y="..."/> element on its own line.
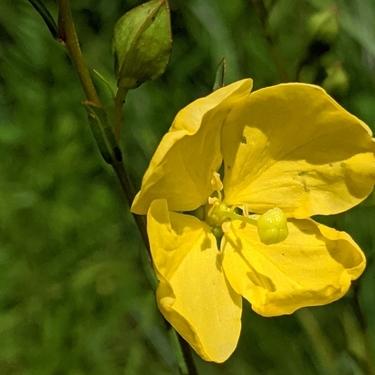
<point x="323" y="26"/>
<point x="272" y="226"/>
<point x="142" y="44"/>
<point x="337" y="82"/>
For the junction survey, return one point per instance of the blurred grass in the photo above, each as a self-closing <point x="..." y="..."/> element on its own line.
<point x="73" y="296"/>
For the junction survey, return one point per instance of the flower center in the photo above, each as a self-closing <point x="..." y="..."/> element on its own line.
<point x="216" y="214"/>
<point x="272" y="225"/>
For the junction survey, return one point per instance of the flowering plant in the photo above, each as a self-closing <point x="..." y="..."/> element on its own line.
<point x="230" y="162"/>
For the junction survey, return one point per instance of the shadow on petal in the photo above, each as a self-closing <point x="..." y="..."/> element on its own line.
<point x="255" y="277"/>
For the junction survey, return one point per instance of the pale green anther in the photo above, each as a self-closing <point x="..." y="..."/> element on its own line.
<point x="272" y="226"/>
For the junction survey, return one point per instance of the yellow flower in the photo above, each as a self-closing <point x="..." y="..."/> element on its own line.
<point x="289" y="147"/>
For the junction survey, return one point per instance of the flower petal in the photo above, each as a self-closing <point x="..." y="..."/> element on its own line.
<point x="181" y="168"/>
<point x="292" y="146"/>
<point x="193" y="294"/>
<point x="313" y="266"/>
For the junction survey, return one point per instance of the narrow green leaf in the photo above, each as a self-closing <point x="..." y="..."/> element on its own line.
<point x="46" y="15"/>
<point x="220" y="75"/>
<point x="105" y="81"/>
<point x="103" y="132"/>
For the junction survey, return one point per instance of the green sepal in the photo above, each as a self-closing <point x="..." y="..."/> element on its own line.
<point x="103" y="132"/>
<point x="142" y="44"/>
<point x="220" y="75"/>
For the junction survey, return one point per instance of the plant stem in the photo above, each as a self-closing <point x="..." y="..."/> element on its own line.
<point x="263" y="15"/>
<point x="119" y="103"/>
<point x="68" y="37"/>
<point x="128" y="190"/>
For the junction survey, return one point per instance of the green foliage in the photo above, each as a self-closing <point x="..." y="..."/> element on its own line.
<point x="220" y="75"/>
<point x="103" y="132"/>
<point x="74" y="298"/>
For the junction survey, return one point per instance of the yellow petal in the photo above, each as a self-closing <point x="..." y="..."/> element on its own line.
<point x="292" y="146"/>
<point x="313" y="266"/>
<point x="193" y="294"/>
<point x="182" y="167"/>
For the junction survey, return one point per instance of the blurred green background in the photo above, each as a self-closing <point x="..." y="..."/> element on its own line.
<point x="74" y="298"/>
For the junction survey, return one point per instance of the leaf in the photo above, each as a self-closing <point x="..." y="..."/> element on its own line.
<point x="47" y="18"/>
<point x="103" y="132"/>
<point x="220" y="75"/>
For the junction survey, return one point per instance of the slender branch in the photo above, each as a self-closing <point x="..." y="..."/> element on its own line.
<point x="128" y="190"/>
<point x="119" y="103"/>
<point x="263" y="15"/>
<point x="68" y="37"/>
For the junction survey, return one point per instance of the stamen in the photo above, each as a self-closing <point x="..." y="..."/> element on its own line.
<point x="217" y="185"/>
<point x="232" y="215"/>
